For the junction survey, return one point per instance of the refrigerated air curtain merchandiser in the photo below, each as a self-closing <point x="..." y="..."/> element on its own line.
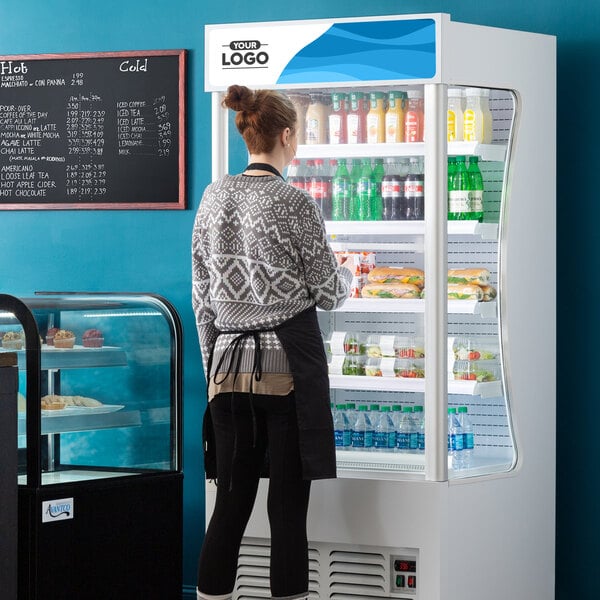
<point x="423" y="523"/>
<point x="98" y="428"/>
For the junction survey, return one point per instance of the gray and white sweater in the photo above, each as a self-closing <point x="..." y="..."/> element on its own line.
<point x="259" y="257"/>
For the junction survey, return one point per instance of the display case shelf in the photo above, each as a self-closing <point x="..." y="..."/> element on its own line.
<point x="491" y="152"/>
<point x="381" y="229"/>
<point x="416" y="306"/>
<point x="77" y="357"/>
<point x="487" y="389"/>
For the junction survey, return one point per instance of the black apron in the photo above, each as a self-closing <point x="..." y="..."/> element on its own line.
<point x="301" y="339"/>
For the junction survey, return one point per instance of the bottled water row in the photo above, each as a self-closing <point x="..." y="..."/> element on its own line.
<point x="400" y="429"/>
<point x="382" y="429"/>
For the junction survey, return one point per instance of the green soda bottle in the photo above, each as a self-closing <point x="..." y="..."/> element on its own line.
<point x="475" y="189"/>
<point x="355" y="174"/>
<point x="363" y="191"/>
<point x="458" y="192"/>
<point x="376" y="198"/>
<point x="340" y="197"/>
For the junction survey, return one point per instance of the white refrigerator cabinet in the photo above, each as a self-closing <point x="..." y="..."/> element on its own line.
<point x="409" y="526"/>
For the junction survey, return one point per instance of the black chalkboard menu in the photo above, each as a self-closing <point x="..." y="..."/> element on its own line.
<point x="95" y="130"/>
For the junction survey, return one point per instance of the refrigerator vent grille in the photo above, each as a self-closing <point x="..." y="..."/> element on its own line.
<point x="336" y="571"/>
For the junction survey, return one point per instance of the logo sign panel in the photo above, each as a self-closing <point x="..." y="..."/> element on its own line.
<point x="57" y="510"/>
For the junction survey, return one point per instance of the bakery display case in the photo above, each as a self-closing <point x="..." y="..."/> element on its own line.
<point x="99" y="443"/>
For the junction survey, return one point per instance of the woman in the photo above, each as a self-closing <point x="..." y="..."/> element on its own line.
<point x="261" y="266"/>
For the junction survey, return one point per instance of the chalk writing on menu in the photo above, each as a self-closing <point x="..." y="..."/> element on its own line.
<point x="92" y="130"/>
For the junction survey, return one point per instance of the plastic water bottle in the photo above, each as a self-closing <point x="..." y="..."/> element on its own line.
<point x="468" y="436"/>
<point x="455" y="439"/>
<point x="419" y="418"/>
<point x="351" y="416"/>
<point x="341" y="427"/>
<point x="362" y="432"/>
<point x="406" y="437"/>
<point x="396" y="416"/>
<point x="385" y="436"/>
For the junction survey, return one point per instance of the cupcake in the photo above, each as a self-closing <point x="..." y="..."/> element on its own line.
<point x="13" y="340"/>
<point x="64" y="338"/>
<point x="50" y="335"/>
<point x="93" y="338"/>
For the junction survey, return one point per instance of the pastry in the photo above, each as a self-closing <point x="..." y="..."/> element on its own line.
<point x="50" y="335"/>
<point x="93" y="338"/>
<point x="13" y="340"/>
<point x="72" y="400"/>
<point x="64" y="338"/>
<point x="52" y="403"/>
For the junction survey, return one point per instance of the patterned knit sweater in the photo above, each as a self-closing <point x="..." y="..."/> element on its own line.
<point x="259" y="257"/>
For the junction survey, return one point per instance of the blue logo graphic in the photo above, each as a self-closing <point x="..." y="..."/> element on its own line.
<point x="366" y="51"/>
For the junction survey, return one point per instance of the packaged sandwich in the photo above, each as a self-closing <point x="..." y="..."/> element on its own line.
<point x="464" y="292"/>
<point x="397" y="275"/>
<point x="469" y="276"/>
<point x="489" y="292"/>
<point x="391" y="290"/>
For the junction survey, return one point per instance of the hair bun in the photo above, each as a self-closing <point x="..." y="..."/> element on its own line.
<point x="239" y="98"/>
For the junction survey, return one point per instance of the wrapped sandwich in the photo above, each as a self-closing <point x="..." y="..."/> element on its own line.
<point x="489" y="292"/>
<point x="391" y="290"/>
<point x="397" y="275"/>
<point x="457" y="291"/>
<point x="469" y="276"/>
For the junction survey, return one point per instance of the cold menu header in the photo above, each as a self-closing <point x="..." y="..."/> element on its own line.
<point x="92" y="130"/>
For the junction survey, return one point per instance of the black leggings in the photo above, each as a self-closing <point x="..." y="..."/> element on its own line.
<point x="287" y="503"/>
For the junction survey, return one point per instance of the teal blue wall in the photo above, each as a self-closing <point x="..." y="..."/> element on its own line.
<point x="149" y="250"/>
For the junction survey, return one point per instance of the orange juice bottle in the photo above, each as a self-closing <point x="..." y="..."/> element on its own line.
<point x="394" y="117"/>
<point x="376" y="118"/>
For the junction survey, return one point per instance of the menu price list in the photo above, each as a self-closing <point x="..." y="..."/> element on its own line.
<point x="101" y="130"/>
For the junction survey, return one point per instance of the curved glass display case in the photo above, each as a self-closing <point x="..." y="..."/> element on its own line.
<point x="99" y="441"/>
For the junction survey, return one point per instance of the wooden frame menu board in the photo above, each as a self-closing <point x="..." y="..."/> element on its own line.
<point x="93" y="131"/>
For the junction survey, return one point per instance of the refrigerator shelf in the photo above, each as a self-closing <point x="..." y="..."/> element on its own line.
<point x="486" y="231"/>
<point x="417" y="306"/>
<point x="487" y="389"/>
<point x="491" y="152"/>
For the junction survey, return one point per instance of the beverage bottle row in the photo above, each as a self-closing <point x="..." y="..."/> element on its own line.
<point x="381" y="429"/>
<point x="465" y="189"/>
<point x="461" y="439"/>
<point x="366" y="191"/>
<point x="469" y="115"/>
<point x="359" y="117"/>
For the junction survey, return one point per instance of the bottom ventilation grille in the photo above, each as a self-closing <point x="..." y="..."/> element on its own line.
<point x="336" y="572"/>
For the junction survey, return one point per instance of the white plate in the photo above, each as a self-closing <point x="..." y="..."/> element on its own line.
<point x="70" y="411"/>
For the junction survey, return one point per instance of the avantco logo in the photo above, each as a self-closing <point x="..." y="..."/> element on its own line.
<point x="57" y="510"/>
<point x="244" y="54"/>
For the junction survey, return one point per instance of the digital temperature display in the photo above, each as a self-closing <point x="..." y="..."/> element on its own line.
<point x="405" y="566"/>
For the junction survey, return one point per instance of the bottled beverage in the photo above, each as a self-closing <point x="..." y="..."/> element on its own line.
<point x="294" y="175"/>
<point x="403" y="169"/>
<point x="341" y="427"/>
<point x="390" y="191"/>
<point x="340" y="197"/>
<point x="419" y="418"/>
<point x="357" y="118"/>
<point x="406" y="436"/>
<point x="317" y="120"/>
<point x="338" y="133"/>
<point x="300" y="102"/>
<point x="455" y="114"/>
<point x="376" y="181"/>
<point x="455" y="439"/>
<point x="351" y="416"/>
<point x="468" y="436"/>
<point x="376" y="118"/>
<point x="414" y="117"/>
<point x="475" y="189"/>
<point x="355" y="175"/>
<point x="394" y="117"/>
<point x="458" y="192"/>
<point x="487" y="117"/>
<point x="414" y="191"/>
<point x="385" y="435"/>
<point x="328" y="197"/>
<point x="363" y="191"/>
<point x="396" y="416"/>
<point x="362" y="431"/>
<point x="317" y="186"/>
<point x="473" y="120"/>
